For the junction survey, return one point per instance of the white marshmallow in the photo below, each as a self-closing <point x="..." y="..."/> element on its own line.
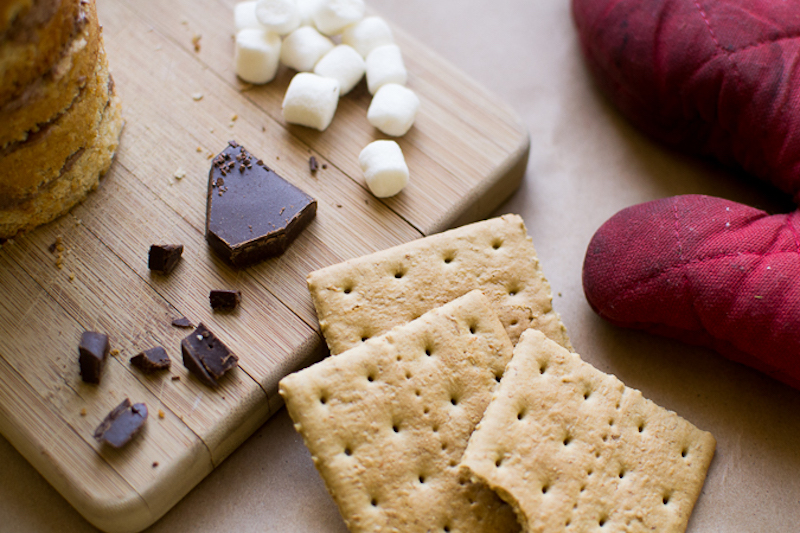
<point x="244" y="15"/>
<point x="306" y="8"/>
<point x="332" y="16"/>
<point x="303" y="47"/>
<point x="257" y="53"/>
<point x="385" y="65"/>
<point x="367" y="35"/>
<point x="343" y="64"/>
<point x="311" y="100"/>
<point x="279" y="16"/>
<point x="384" y="167"/>
<point x="393" y="109"/>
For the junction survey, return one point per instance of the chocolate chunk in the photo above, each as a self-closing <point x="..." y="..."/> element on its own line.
<point x="93" y="352"/>
<point x="164" y="257"/>
<point x="182" y="322"/>
<point x="256" y="214"/>
<point x="121" y="424"/>
<point x="224" y="300"/>
<point x="151" y="360"/>
<point x="312" y="164"/>
<point x="206" y="356"/>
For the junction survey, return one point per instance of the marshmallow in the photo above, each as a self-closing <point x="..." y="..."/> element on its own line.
<point x="279" y="16"/>
<point x="306" y="8"/>
<point x="384" y="168"/>
<point x="311" y="100"/>
<point x="393" y="109"/>
<point x="332" y="16"/>
<point x="343" y="64"/>
<point x="244" y="16"/>
<point x="256" y="56"/>
<point x="303" y="47"/>
<point x="385" y="65"/>
<point x="367" y="35"/>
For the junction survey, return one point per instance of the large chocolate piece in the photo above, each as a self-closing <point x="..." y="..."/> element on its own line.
<point x="164" y="257"/>
<point x="206" y="356"/>
<point x="92" y="354"/>
<point x="151" y="360"/>
<point x="252" y="213"/>
<point x="224" y="300"/>
<point x="121" y="424"/>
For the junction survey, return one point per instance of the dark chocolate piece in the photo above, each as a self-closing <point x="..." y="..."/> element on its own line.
<point x="164" y="257"/>
<point x="251" y="212"/>
<point x="121" y="424"/>
<point x="182" y="322"/>
<point x="224" y="300"/>
<point x="93" y="352"/>
<point x="206" y="356"/>
<point x="151" y="360"/>
<point x="312" y="164"/>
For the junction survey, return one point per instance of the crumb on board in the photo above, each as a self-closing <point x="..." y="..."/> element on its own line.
<point x="179" y="173"/>
<point x="161" y="413"/>
<point x="83" y="412"/>
<point x="196" y="41"/>
<point x="197" y="96"/>
<point x="114" y="352"/>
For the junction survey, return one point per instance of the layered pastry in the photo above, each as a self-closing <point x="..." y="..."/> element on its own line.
<point x="60" y="118"/>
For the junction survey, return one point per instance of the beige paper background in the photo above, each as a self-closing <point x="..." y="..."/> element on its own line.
<point x="586" y="163"/>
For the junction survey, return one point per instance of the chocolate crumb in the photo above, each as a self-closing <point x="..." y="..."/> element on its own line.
<point x="312" y="164"/>
<point x="205" y="356"/>
<point x="176" y="378"/>
<point x="224" y="300"/>
<point x="164" y="257"/>
<point x="182" y="322"/>
<point x="93" y="353"/>
<point x="324" y="166"/>
<point x="152" y="360"/>
<point x="121" y="424"/>
<point x="155" y="464"/>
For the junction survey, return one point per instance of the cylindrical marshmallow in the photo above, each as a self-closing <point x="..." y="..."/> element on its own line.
<point x="279" y="16"/>
<point x="384" y="167"/>
<point x="343" y="64"/>
<point x="332" y="16"/>
<point x="257" y="54"/>
<point x="367" y="35"/>
<point x="311" y="100"/>
<point x="303" y="47"/>
<point x="393" y="109"/>
<point x="385" y="65"/>
<point x="307" y="9"/>
<point x="244" y="15"/>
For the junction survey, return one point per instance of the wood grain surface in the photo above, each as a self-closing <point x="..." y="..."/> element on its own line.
<point x="466" y="153"/>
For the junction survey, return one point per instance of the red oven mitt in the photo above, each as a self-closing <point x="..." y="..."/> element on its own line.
<point x="719" y="78"/>
<point x="707" y="271"/>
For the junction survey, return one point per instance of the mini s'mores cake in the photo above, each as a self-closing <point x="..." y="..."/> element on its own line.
<point x="60" y="118"/>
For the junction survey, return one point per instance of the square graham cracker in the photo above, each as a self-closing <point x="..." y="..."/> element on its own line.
<point x="388" y="421"/>
<point x="367" y="296"/>
<point x="574" y="449"/>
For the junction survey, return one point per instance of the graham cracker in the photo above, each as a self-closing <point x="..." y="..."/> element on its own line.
<point x="369" y="295"/>
<point x="574" y="449"/>
<point x="387" y="422"/>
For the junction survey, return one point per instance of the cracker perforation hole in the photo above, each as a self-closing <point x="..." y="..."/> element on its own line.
<point x="622" y="473"/>
<point x="399" y="273"/>
<point x="665" y="499"/>
<point x="567" y="440"/>
<point x="521" y="414"/>
<point x="396" y="427"/>
<point x="453" y="400"/>
<point x="684" y="452"/>
<point x="602" y="521"/>
<point x="348" y="451"/>
<point x="347" y="289"/>
<point x="498" y="462"/>
<point x="364" y="337"/>
<point x="473" y="328"/>
<point x="640" y="426"/>
<point x="586" y="394"/>
<point x="497" y="243"/>
<point x="408" y="374"/>
<point x="448" y="257"/>
<point x="542" y="367"/>
<point x="373" y="502"/>
<point x="446" y="529"/>
<point x="421" y="479"/>
<point x="545" y="488"/>
<point x="323" y="399"/>
<point x="371" y="377"/>
<point x="498" y="377"/>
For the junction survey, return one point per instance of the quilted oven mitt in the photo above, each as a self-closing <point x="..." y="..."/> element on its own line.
<point x="718" y="77"/>
<point x="722" y="78"/>
<point x="707" y="271"/>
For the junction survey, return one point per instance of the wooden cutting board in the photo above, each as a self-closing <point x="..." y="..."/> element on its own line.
<point x="466" y="154"/>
